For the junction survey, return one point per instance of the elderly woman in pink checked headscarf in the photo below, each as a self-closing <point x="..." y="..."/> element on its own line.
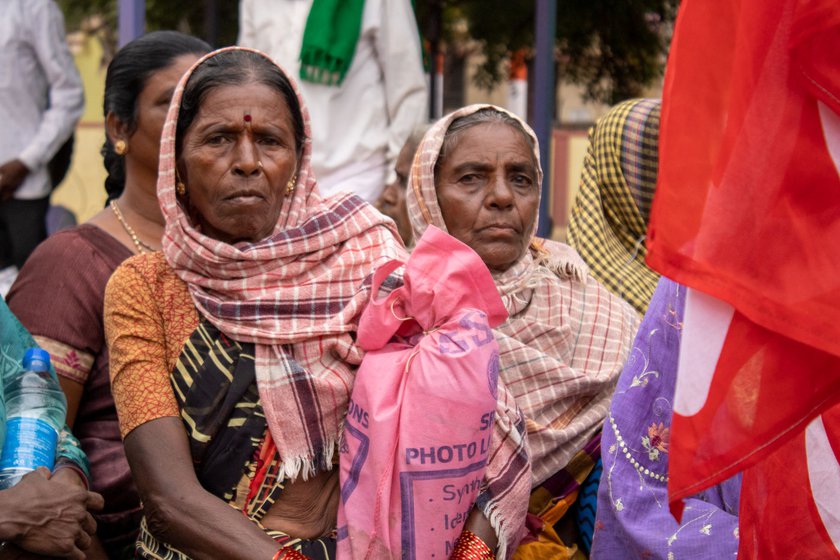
<point x="233" y="349"/>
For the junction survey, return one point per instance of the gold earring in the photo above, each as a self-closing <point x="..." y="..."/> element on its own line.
<point x="180" y="187"/>
<point x="121" y="147"/>
<point x="290" y="186"/>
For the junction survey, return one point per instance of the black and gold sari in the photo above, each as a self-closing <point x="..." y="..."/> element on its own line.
<point x="233" y="454"/>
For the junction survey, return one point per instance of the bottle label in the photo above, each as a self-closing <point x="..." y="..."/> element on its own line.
<point x="30" y="443"/>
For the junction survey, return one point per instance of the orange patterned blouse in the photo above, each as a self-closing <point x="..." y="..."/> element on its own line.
<point x="149" y="315"/>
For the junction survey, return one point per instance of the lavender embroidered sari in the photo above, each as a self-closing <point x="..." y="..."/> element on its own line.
<point x="633" y="519"/>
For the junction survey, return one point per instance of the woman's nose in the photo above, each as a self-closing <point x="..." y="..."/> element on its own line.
<point x="388" y="196"/>
<point x="247" y="158"/>
<point x="501" y="194"/>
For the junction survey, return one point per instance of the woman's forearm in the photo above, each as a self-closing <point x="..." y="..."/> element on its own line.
<point x="477" y="541"/>
<point x="178" y="510"/>
<point x="480" y="525"/>
<point x="204" y="527"/>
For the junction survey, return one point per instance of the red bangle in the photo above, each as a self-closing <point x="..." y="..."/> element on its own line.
<point x="470" y="547"/>
<point x="287" y="553"/>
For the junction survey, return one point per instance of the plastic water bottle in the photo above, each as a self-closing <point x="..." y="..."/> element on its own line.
<point x="35" y="411"/>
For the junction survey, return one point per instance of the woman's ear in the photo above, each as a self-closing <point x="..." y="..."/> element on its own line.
<point x="115" y="129"/>
<point x="180" y="170"/>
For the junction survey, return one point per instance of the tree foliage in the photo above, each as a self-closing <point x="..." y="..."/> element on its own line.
<point x="100" y="17"/>
<point x="614" y="48"/>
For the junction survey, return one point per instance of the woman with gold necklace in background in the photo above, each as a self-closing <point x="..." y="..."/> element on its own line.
<point x="59" y="293"/>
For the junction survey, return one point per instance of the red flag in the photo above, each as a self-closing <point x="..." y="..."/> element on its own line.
<point x="748" y="200"/>
<point x="738" y="388"/>
<point x="795" y="495"/>
<point x="747" y="214"/>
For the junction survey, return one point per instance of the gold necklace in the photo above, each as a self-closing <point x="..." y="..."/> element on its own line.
<point x="141" y="247"/>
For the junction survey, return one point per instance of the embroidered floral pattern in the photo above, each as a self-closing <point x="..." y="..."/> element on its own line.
<point x="628" y="454"/>
<point x="636" y="449"/>
<point x="69" y="362"/>
<point x="641" y="379"/>
<point x="656" y="440"/>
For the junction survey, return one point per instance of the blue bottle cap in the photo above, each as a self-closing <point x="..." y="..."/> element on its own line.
<point x="36" y="359"/>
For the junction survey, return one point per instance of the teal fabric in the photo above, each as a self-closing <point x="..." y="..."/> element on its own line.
<point x="69" y="450"/>
<point x="586" y="506"/>
<point x="14" y="341"/>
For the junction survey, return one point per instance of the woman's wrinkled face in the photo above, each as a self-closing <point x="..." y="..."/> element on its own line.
<point x="488" y="192"/>
<point x="236" y="158"/>
<point x="392" y="200"/>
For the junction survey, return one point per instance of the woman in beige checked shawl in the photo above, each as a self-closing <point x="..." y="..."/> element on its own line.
<point x="477" y="175"/>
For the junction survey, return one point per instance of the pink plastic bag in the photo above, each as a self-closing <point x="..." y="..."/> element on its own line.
<point x="417" y="433"/>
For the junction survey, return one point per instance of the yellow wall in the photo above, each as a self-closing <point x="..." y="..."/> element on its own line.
<point x="568" y="149"/>
<point x="83" y="189"/>
<point x="87" y="51"/>
<point x="577" y="151"/>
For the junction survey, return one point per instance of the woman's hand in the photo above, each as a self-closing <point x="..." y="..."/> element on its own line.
<point x="48" y="515"/>
<point x="73" y="477"/>
<point x="12" y="175"/>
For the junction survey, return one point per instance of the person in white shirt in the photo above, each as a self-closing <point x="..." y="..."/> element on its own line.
<point x="41" y="99"/>
<point x="360" y="122"/>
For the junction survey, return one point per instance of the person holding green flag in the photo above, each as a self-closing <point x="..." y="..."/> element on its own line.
<point x="361" y="71"/>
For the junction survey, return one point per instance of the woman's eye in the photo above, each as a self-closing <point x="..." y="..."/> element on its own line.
<point x="270" y="141"/>
<point x="216" y="139"/>
<point x="522" y="180"/>
<point x="469" y="178"/>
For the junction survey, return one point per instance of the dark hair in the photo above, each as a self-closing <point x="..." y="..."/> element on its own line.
<point x="488" y="115"/>
<point x="127" y="75"/>
<point x="236" y="67"/>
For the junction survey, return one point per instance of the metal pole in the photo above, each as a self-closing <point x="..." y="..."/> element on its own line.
<point x="131" y="20"/>
<point x="211" y="22"/>
<point x="544" y="99"/>
<point x="433" y="81"/>
<point x="436" y="17"/>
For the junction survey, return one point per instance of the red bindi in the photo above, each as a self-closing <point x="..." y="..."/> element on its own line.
<point x="247" y="118"/>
